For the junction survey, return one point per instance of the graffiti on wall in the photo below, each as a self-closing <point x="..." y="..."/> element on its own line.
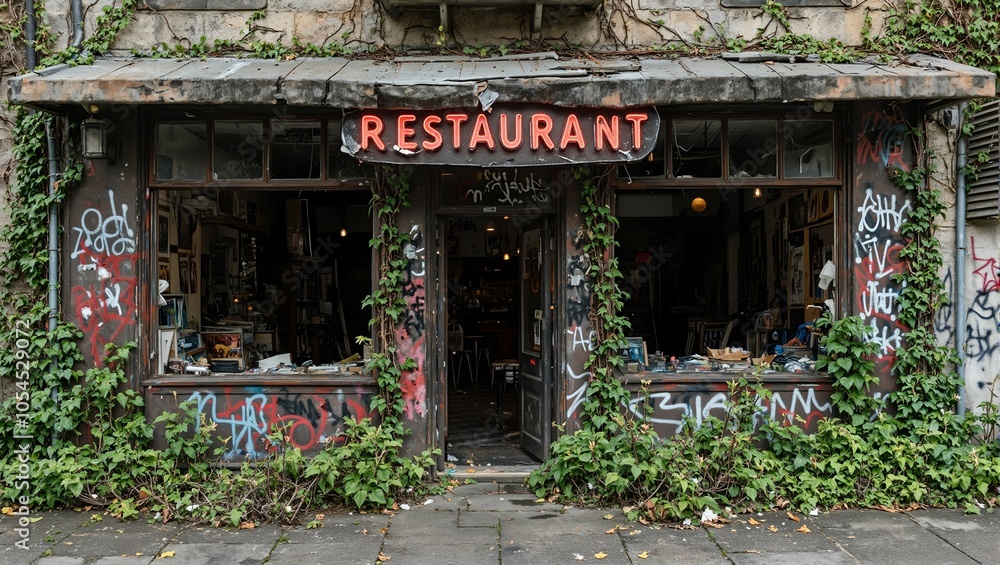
<point x="982" y="322"/>
<point x="877" y="244"/>
<point x="410" y="333"/>
<point x="578" y="330"/>
<point x="672" y="408"/>
<point x="309" y="420"/>
<point x="103" y="296"/>
<point x="881" y="141"/>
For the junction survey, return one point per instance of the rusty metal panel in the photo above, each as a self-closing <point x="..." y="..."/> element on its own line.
<point x="796" y="400"/>
<point x="306" y="84"/>
<point x="878" y="209"/>
<point x="312" y="414"/>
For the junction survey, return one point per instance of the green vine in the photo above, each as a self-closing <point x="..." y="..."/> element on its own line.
<point x="605" y="392"/>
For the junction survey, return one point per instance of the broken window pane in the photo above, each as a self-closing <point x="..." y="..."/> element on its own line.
<point x="696" y="149"/>
<point x="808" y="149"/>
<point x="753" y="145"/>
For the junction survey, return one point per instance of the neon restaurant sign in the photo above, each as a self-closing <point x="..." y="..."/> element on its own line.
<point x="514" y="135"/>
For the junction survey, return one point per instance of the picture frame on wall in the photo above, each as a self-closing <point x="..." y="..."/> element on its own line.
<point x="163" y="271"/>
<point x="163" y="232"/>
<point x="225" y="350"/>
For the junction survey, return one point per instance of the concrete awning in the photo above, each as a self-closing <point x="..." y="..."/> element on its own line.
<point x="442" y="82"/>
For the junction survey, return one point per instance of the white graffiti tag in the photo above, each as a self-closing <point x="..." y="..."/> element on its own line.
<point x="104" y="236"/>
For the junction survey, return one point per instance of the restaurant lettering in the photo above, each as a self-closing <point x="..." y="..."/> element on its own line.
<point x="513" y="135"/>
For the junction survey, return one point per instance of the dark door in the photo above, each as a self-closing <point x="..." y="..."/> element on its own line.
<point x="536" y="339"/>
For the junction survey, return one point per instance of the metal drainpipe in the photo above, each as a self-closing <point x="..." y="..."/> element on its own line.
<point x="29" y="33"/>
<point x="76" y="10"/>
<point x="960" y="251"/>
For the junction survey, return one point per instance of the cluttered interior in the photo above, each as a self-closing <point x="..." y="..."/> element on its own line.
<point x="263" y="281"/>
<point x="717" y="289"/>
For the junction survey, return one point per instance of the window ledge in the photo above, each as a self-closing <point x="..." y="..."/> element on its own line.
<point x="259" y="379"/>
<point x="720" y="377"/>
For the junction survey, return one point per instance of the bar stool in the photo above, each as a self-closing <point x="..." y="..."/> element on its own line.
<point x="459" y="355"/>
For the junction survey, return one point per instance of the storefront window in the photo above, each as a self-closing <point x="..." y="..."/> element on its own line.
<point x="653" y="166"/>
<point x="295" y="150"/>
<point x="808" y="149"/>
<point x="697" y="148"/>
<point x="181" y="151"/>
<point x="238" y="150"/>
<point x="753" y="147"/>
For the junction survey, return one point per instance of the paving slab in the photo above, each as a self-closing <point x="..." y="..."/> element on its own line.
<point x="449" y="545"/>
<point x="217" y="553"/>
<point x="512" y="502"/>
<point x="742" y="536"/>
<point x="61" y="560"/>
<point x="473" y="519"/>
<point x="793" y="558"/>
<point x="671" y="547"/>
<point x="266" y="534"/>
<point x="134" y="560"/>
<point x="113" y="538"/>
<point x="532" y="538"/>
<point x="886" y="538"/>
<point x="977" y="536"/>
<point x="340" y="553"/>
<point x="339" y="528"/>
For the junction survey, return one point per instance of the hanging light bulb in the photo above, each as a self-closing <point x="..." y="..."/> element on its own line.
<point x="699" y="204"/>
<point x="757" y="192"/>
<point x="506" y="256"/>
<point x="343" y="232"/>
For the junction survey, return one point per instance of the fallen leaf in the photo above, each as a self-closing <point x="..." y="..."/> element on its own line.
<point x="773" y="528"/>
<point x="753" y="522"/>
<point x="635" y="532"/>
<point x="792" y="517"/>
<point x="539" y="500"/>
<point x="803" y="530"/>
<point x="364" y="532"/>
<point x="850" y="537"/>
<point x="246" y="526"/>
<point x="608" y="516"/>
<point x="7" y="511"/>
<point x="165" y="555"/>
<point x="383" y="530"/>
<point x="600" y="555"/>
<point x="470" y="470"/>
<point x="713" y="524"/>
<point x="614" y="529"/>
<point x="382" y="558"/>
<point x="643" y="555"/>
<point x="320" y="516"/>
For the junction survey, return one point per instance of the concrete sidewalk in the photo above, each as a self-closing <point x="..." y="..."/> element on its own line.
<point x="502" y="523"/>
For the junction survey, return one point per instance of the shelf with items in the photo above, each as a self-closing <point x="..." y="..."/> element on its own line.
<point x="812" y="246"/>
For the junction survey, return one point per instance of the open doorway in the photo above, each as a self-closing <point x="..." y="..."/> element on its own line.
<point x="483" y="270"/>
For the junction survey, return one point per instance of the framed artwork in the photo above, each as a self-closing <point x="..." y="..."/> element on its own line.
<point x="796" y="212"/>
<point x="635" y="351"/>
<point x="163" y="232"/>
<point x="163" y="271"/>
<point x="183" y="266"/>
<point x="225" y="347"/>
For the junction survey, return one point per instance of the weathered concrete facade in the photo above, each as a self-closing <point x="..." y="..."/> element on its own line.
<point x="108" y="275"/>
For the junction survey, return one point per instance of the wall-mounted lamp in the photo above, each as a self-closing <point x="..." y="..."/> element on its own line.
<point x="757" y="192"/>
<point x="506" y="256"/>
<point x="490" y="226"/>
<point x="699" y="204"/>
<point x="94" y="138"/>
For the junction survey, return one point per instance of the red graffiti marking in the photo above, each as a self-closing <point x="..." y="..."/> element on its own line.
<point x="877" y="299"/>
<point x="881" y="141"/>
<point x="987" y="269"/>
<point x="105" y="306"/>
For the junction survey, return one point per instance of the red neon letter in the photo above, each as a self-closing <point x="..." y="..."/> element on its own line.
<point x="481" y="134"/>
<point x="404" y="133"/>
<point x="429" y="128"/>
<point x="603" y="131"/>
<point x="636" y="120"/>
<point x="371" y="127"/>
<point x="505" y="140"/>
<point x="541" y="127"/>
<point x="456" y="121"/>
<point x="572" y="133"/>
